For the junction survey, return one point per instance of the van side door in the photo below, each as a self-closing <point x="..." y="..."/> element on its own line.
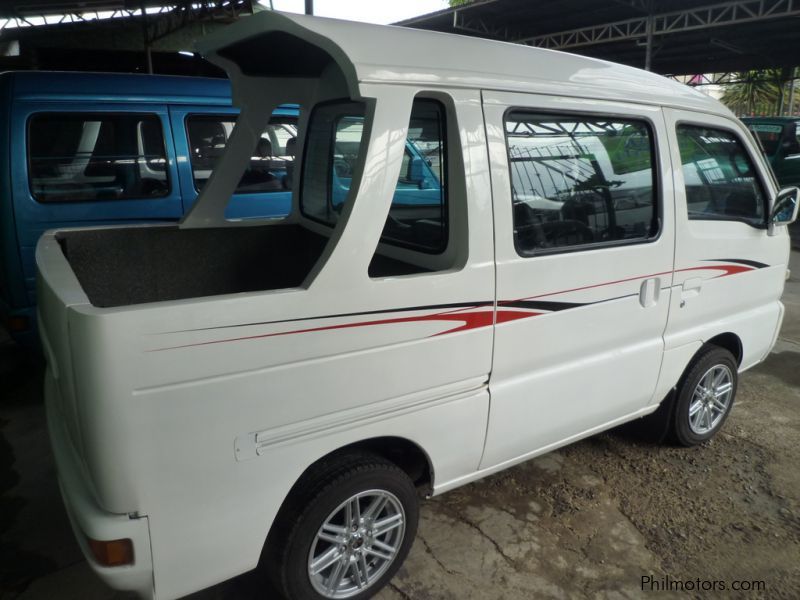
<point x="201" y="133"/>
<point x="83" y="164"/>
<point x="584" y="247"/>
<point x="729" y="271"/>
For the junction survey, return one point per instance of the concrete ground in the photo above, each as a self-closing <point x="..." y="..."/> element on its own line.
<point x="588" y="521"/>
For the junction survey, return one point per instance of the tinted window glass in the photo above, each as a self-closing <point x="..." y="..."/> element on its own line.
<point x="769" y="134"/>
<point x="721" y="182"/>
<point x="332" y="150"/>
<point x="418" y="216"/>
<point x="579" y="180"/>
<point x="95" y="156"/>
<point x="271" y="165"/>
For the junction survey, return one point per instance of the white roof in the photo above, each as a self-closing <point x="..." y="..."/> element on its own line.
<point x="398" y="55"/>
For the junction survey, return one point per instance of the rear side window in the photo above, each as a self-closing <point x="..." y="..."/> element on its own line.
<point x="271" y="165"/>
<point x="580" y="180"/>
<point x="418" y="217"/>
<point x="720" y="178"/>
<point x="96" y="157"/>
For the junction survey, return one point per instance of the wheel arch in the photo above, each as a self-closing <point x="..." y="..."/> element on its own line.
<point x="730" y="342"/>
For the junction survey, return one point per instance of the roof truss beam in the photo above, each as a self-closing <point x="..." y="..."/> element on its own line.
<point x="733" y="12"/>
<point x="195" y="8"/>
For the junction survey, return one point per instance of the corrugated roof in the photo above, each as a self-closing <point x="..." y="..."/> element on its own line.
<point x="740" y="34"/>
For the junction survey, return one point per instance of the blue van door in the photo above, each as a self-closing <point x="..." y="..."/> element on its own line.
<point x="79" y="164"/>
<point x="200" y="134"/>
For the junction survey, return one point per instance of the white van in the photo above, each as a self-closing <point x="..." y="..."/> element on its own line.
<point x="493" y="251"/>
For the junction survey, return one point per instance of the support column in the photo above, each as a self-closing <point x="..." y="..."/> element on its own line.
<point x="648" y="57"/>
<point x="148" y="53"/>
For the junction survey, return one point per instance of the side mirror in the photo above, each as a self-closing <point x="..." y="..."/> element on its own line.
<point x="784" y="210"/>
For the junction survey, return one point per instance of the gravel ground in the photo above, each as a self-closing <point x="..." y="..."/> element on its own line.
<point x="588" y="521"/>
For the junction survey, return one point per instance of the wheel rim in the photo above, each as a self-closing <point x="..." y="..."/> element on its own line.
<point x="356" y="544"/>
<point x="711" y="399"/>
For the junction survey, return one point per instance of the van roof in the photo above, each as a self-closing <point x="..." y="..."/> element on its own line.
<point x="385" y="54"/>
<point x="53" y="85"/>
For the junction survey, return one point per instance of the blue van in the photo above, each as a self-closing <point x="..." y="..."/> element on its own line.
<point x="83" y="149"/>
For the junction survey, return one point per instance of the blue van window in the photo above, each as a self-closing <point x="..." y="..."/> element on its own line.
<point x="76" y="157"/>
<point x="271" y="165"/>
<point x="332" y="150"/>
<point x="418" y="215"/>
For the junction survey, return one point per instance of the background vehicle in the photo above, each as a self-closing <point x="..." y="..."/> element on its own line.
<point x="780" y="138"/>
<point x="82" y="149"/>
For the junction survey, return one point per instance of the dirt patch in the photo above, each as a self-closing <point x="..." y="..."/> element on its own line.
<point x="592" y="519"/>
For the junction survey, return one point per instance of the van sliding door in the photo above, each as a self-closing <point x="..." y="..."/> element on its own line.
<point x="584" y="230"/>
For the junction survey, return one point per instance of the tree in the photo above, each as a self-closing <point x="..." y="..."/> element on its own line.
<point x="755" y="92"/>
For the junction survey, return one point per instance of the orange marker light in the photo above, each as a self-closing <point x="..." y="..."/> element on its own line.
<point x="114" y="553"/>
<point x="17" y="324"/>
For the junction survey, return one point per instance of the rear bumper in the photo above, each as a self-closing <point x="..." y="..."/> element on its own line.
<point x="88" y="519"/>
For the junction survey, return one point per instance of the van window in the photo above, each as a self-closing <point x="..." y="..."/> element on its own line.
<point x="272" y="162"/>
<point x="96" y="156"/>
<point x="418" y="215"/>
<point x="579" y="180"/>
<point x="720" y="179"/>
<point x="769" y="134"/>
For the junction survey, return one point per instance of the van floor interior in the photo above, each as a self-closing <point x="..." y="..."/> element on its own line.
<point x="135" y="265"/>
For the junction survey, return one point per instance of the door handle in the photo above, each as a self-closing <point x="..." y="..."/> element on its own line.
<point x="691" y="288"/>
<point x="649" y="292"/>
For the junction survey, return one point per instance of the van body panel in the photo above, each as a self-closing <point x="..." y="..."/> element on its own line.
<point x="546" y="392"/>
<point x="179" y="358"/>
<point x="716" y="261"/>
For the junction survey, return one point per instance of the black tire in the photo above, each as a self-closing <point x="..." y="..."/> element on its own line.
<point x="681" y="430"/>
<point x="325" y="487"/>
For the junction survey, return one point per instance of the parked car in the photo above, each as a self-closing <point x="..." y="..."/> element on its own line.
<point x="85" y="149"/>
<point x="780" y="138"/>
<point x="584" y="245"/>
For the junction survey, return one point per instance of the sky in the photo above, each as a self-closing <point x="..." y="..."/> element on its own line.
<point x="369" y="11"/>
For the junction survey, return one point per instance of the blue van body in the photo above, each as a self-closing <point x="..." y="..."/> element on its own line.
<point x="23" y="217"/>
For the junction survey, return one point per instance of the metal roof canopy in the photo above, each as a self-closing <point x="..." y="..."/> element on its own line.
<point x="686" y="36"/>
<point x="113" y="35"/>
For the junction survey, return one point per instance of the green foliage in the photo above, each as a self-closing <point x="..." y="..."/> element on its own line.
<point x="756" y="92"/>
<point x="628" y="150"/>
<point x="454" y="3"/>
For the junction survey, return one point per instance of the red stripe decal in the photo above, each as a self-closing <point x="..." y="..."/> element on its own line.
<point x="729" y="270"/>
<point x="468" y="318"/>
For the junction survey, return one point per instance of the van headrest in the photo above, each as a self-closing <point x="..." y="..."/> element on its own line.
<point x="291" y="147"/>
